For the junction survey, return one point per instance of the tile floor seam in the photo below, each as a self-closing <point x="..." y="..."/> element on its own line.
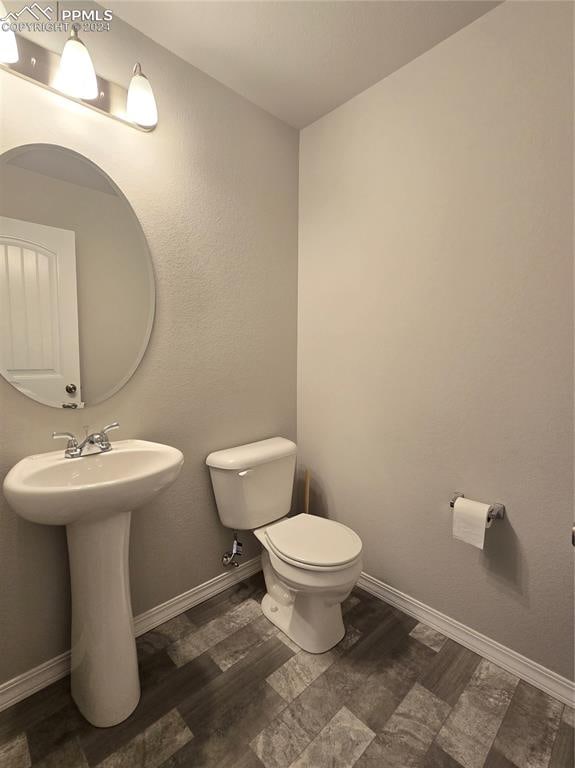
<point x="433" y="741"/>
<point x="556" y="735"/>
<point x="502" y="718"/>
<point x="232" y="634"/>
<point x="298" y="754"/>
<point x="318" y="735"/>
<point x="203" y="628"/>
<point x="502" y="721"/>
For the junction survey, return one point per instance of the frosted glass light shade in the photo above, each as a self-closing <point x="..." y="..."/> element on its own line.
<point x="76" y="75"/>
<point x="8" y="44"/>
<point x="141" y="104"/>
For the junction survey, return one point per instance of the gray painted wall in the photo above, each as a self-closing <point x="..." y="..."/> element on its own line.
<point x="215" y="188"/>
<point x="435" y="323"/>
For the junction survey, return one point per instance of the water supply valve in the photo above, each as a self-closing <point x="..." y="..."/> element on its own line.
<point x="229" y="558"/>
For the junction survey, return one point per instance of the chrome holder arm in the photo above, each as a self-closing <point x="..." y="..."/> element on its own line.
<point x="495" y="512"/>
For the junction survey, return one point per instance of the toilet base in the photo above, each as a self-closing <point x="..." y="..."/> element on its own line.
<point x="310" y="621"/>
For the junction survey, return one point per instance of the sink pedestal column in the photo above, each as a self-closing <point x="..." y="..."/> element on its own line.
<point x="105" y="681"/>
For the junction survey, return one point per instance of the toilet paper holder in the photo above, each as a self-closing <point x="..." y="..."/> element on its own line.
<point x="495" y="512"/>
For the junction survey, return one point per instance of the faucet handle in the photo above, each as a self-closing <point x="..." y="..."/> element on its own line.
<point x="72" y="440"/>
<point x="72" y="448"/>
<point x="105" y="444"/>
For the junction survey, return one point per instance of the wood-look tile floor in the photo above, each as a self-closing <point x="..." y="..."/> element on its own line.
<point x="221" y="687"/>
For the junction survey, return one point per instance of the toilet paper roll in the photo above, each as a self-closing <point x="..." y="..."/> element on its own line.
<point x="470" y="521"/>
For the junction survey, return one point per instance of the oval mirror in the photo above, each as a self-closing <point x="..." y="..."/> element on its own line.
<point x="77" y="292"/>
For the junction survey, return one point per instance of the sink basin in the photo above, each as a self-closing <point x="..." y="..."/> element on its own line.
<point x="50" y="489"/>
<point x="93" y="496"/>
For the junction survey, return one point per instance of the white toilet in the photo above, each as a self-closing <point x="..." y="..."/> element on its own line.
<point x="310" y="564"/>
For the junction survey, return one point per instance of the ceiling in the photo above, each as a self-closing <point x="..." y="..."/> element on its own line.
<point x="299" y="60"/>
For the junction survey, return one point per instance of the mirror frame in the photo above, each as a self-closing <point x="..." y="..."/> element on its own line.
<point x="20" y="149"/>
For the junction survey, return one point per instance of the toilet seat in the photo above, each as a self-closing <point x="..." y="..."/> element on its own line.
<point x="313" y="543"/>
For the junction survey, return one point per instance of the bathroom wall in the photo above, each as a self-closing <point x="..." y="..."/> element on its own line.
<point x="215" y="188"/>
<point x="435" y="323"/>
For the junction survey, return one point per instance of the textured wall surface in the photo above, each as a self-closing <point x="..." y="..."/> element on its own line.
<point x="215" y="188"/>
<point x="435" y="323"/>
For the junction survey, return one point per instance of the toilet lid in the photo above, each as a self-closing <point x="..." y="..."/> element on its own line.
<point x="312" y="540"/>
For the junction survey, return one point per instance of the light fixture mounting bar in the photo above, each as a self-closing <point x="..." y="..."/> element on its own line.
<point x="40" y="65"/>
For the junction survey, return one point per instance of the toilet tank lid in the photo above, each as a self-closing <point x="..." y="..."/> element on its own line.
<point x="252" y="454"/>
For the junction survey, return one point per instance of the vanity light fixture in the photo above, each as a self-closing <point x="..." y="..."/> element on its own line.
<point x="73" y="75"/>
<point x="76" y="74"/>
<point x="8" y="44"/>
<point x="141" y="104"/>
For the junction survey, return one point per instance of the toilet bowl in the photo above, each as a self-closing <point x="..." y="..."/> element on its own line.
<point x="310" y="564"/>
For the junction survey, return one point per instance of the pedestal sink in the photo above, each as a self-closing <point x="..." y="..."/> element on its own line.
<point x="93" y="496"/>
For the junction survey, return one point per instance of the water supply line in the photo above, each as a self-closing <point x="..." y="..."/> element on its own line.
<point x="229" y="558"/>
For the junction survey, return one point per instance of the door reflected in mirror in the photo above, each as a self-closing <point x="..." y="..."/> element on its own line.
<point x="77" y="294"/>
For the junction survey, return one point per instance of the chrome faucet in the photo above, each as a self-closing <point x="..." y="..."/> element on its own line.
<point x="97" y="442"/>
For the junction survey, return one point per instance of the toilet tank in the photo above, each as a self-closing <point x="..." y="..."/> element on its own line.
<point x="253" y="483"/>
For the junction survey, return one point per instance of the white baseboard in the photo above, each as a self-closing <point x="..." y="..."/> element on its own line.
<point x="168" y="610"/>
<point x="13" y="691"/>
<point x="54" y="669"/>
<point x="545" y="679"/>
<point x="560" y="688"/>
